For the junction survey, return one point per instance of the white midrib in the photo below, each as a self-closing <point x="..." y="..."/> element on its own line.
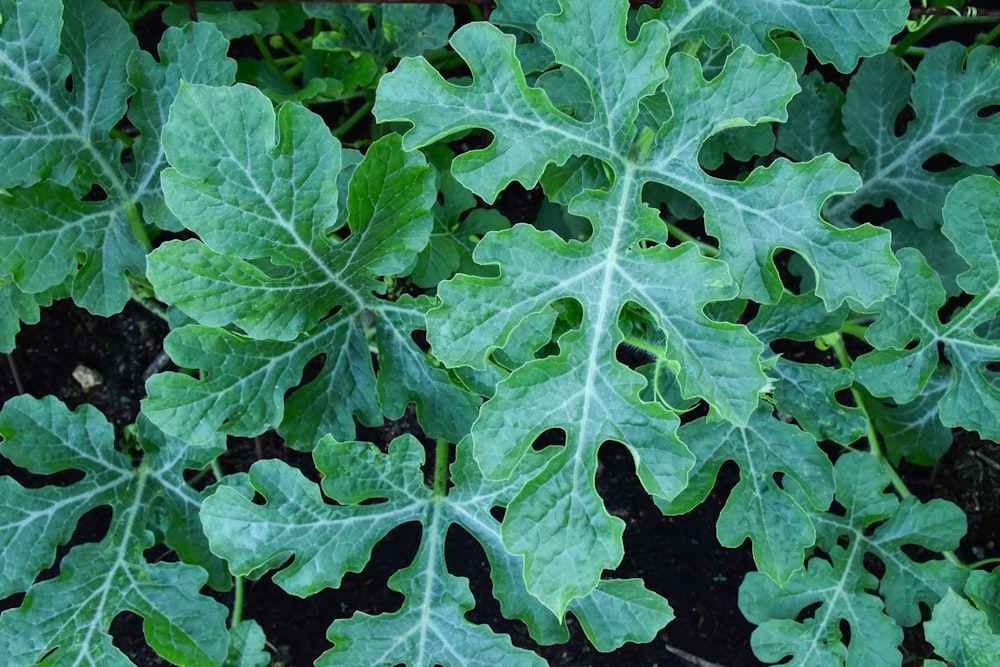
<point x="120" y="562"/>
<point x="22" y="77"/>
<point x="598" y="342"/>
<point x="280" y="220"/>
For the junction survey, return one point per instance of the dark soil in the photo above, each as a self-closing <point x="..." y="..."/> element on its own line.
<point x="678" y="557"/>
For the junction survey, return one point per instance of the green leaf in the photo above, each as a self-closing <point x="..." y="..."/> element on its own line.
<point x="246" y="646"/>
<point x="913" y="430"/>
<point x="557" y="521"/>
<point x="777" y="518"/>
<point x="947" y="94"/>
<point x="619" y="611"/>
<point x="17" y="307"/>
<point x="839" y="589"/>
<point x="76" y="222"/>
<point x="268" y="261"/>
<point x="901" y="369"/>
<point x="839" y="32"/>
<point x="961" y="633"/>
<point x="984" y="591"/>
<point x="815" y="124"/>
<point x="385" y="32"/>
<point x="70" y="615"/>
<point x="52" y="137"/>
<point x="194" y="54"/>
<point x="44" y="120"/>
<point x="329" y="540"/>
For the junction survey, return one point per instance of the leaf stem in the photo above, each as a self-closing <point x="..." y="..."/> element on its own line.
<point x="345" y="127"/>
<point x="677" y="232"/>
<point x="237" y="602"/>
<point x="836" y="342"/>
<point x="141" y="291"/>
<point x="441" y="451"/>
<point x="135" y="220"/>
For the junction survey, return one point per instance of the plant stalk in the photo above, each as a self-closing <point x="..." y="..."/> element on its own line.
<point x="441" y="451"/>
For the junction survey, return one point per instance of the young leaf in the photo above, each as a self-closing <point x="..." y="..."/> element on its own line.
<point x="961" y="633"/>
<point x="950" y="90"/>
<point x="972" y="401"/>
<point x="268" y="262"/>
<point x="328" y="541"/>
<point x="843" y="590"/>
<point x="839" y="32"/>
<point x="385" y="32"/>
<point x="74" y="227"/>
<point x="558" y="521"/>
<point x="777" y="518"/>
<point x="69" y="616"/>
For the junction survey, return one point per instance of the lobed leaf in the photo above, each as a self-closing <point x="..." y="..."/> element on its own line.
<point x="195" y="53"/>
<point x="262" y="191"/>
<point x="900" y="369"/>
<point x="384" y="32"/>
<point x="947" y="94"/>
<point x="961" y="633"/>
<point x="776" y="517"/>
<point x="645" y="124"/>
<point x="73" y="223"/>
<point x="840" y="32"/>
<point x="68" y="617"/>
<point x="839" y="589"/>
<point x="325" y="541"/>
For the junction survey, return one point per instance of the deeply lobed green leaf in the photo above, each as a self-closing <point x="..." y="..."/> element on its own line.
<point x="646" y="124"/>
<point x="69" y="616"/>
<point x="329" y="540"/>
<point x="262" y="192"/>
<point x="839" y="588"/>
<point x="901" y="370"/>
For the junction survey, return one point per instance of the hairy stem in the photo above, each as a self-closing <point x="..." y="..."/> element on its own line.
<point x="836" y="342"/>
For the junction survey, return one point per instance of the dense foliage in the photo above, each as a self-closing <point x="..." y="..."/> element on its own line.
<point x="719" y="185"/>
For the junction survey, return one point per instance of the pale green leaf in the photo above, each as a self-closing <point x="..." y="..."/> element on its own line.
<point x="557" y="521"/>
<point x="317" y="542"/>
<point x="815" y="125"/>
<point x="947" y="94"/>
<point x="44" y="122"/>
<point x="194" y="54"/>
<point x="839" y="591"/>
<point x="265" y="207"/>
<point x="777" y="518"/>
<point x="913" y="430"/>
<point x="909" y="330"/>
<point x="619" y="611"/>
<point x="838" y="32"/>
<point x="17" y="307"/>
<point x="246" y="646"/>
<point x="78" y="224"/>
<point x="807" y="392"/>
<point x="384" y="31"/>
<point x="71" y="613"/>
<point x="961" y="633"/>
<point x="62" y="89"/>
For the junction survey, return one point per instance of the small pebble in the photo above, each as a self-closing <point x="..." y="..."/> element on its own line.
<point x="87" y="377"/>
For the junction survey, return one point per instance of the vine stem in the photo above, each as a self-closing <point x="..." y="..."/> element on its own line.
<point x="441" y="451"/>
<point x="14" y="374"/>
<point x="353" y="120"/>
<point x="237" y="602"/>
<point x="677" y="232"/>
<point x="836" y="342"/>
